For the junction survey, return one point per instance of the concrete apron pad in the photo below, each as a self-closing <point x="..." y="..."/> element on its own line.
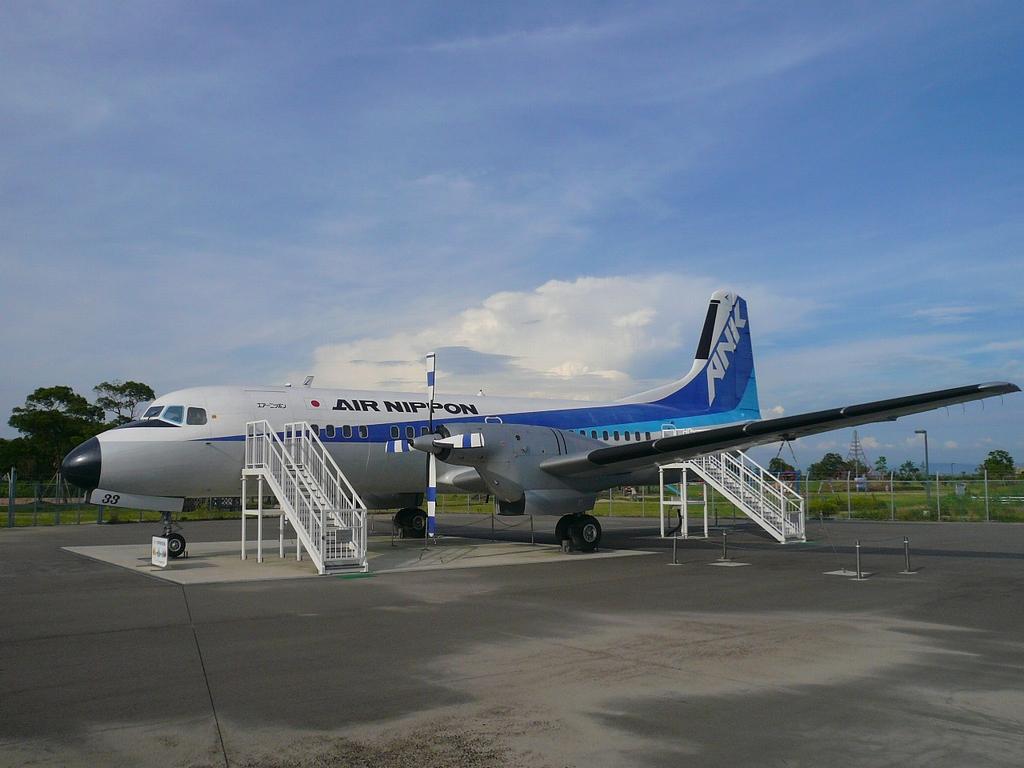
<point x="211" y="562"/>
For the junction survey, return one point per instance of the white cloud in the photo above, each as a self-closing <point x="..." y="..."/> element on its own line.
<point x="561" y="339"/>
<point x="947" y="314"/>
<point x="870" y="442"/>
<point x="951" y="444"/>
<point x="1003" y="346"/>
<point x="776" y="410"/>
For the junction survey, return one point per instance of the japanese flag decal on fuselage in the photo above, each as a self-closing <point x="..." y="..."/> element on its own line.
<point x="718" y="361"/>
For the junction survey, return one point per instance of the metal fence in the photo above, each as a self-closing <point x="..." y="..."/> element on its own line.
<point x="942" y="498"/>
<point x="54" y="502"/>
<point x="957" y="498"/>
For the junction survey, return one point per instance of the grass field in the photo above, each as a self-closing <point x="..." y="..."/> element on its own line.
<point x="907" y="502"/>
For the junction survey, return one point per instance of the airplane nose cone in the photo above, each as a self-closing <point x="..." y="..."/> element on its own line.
<point x="81" y="467"/>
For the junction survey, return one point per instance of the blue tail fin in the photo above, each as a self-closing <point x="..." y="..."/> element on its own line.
<point x="721" y="380"/>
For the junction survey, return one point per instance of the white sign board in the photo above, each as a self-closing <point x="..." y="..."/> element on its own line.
<point x="133" y="501"/>
<point x="160" y="551"/>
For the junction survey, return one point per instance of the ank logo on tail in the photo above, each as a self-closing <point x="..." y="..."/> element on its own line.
<point x="719" y="361"/>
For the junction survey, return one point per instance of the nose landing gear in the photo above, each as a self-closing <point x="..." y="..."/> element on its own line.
<point x="175" y="541"/>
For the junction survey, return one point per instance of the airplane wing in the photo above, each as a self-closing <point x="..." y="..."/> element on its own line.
<point x="679" y="447"/>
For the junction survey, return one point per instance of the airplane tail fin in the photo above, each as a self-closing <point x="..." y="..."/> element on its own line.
<point x="721" y="379"/>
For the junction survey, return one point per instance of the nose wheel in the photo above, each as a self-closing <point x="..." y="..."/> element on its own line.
<point x="175" y="545"/>
<point x="175" y="541"/>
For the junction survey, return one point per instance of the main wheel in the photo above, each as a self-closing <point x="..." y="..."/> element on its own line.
<point x="411" y="522"/>
<point x="562" y="527"/>
<point x="175" y="545"/>
<point x="585" y="532"/>
<point x="418" y="524"/>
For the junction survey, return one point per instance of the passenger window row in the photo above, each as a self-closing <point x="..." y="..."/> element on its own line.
<point x="615" y="435"/>
<point x="346" y="431"/>
<point x="410" y="431"/>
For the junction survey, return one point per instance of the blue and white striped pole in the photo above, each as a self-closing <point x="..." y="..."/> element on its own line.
<point x="431" y="459"/>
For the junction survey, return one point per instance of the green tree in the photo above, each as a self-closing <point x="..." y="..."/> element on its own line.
<point x="908" y="471"/>
<point x="882" y="465"/>
<point x="17" y="453"/>
<point x="830" y="465"/>
<point x="778" y="465"/>
<point x="998" y="463"/>
<point x="122" y="398"/>
<point x="54" y="420"/>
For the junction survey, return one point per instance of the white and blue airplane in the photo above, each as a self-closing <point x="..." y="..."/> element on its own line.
<point x="542" y="456"/>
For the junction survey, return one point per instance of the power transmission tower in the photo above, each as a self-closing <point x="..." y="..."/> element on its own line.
<point x="856" y="456"/>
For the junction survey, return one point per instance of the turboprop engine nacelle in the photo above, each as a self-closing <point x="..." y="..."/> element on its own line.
<point x="507" y="457"/>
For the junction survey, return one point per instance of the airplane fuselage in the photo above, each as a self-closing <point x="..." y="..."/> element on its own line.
<point x="201" y="454"/>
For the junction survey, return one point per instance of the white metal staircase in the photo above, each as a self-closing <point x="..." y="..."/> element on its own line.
<point x="314" y="496"/>
<point x="760" y="495"/>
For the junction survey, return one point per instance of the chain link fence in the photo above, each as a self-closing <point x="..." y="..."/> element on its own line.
<point x="940" y="499"/>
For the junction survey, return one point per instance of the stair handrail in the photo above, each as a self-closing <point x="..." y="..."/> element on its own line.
<point x="324" y="471"/>
<point x="264" y="449"/>
<point x="761" y="493"/>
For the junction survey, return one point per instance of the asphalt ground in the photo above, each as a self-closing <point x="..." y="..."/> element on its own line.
<point x="585" y="662"/>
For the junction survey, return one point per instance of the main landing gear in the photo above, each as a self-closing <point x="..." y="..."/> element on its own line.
<point x="578" y="531"/>
<point x="411" y="523"/>
<point x="175" y="541"/>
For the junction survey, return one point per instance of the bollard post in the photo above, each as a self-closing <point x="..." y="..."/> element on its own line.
<point x="492" y="525"/>
<point x="12" y="492"/>
<point x="906" y="556"/>
<point x="532" y="540"/>
<point x="860" y="574"/>
<point x="725" y="545"/>
<point x="35" y="505"/>
<point x="99" y="514"/>
<point x="675" y="555"/>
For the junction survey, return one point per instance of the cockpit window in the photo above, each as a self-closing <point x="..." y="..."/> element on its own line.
<point x="196" y="416"/>
<point x="173" y="414"/>
<point x="152" y="411"/>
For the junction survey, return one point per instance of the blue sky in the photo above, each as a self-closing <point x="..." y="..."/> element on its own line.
<point x="205" y="193"/>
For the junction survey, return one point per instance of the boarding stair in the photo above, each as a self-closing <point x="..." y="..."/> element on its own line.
<point x="763" y="497"/>
<point x="314" y="496"/>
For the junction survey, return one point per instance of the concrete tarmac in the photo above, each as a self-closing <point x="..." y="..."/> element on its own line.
<point x="574" y="662"/>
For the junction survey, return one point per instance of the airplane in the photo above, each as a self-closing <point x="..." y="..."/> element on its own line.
<point x="549" y="457"/>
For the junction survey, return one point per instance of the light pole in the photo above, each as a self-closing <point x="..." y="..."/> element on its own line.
<point x="927" y="487"/>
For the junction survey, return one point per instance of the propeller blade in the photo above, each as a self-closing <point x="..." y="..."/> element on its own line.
<point x="431" y="457"/>
<point x="431" y="494"/>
